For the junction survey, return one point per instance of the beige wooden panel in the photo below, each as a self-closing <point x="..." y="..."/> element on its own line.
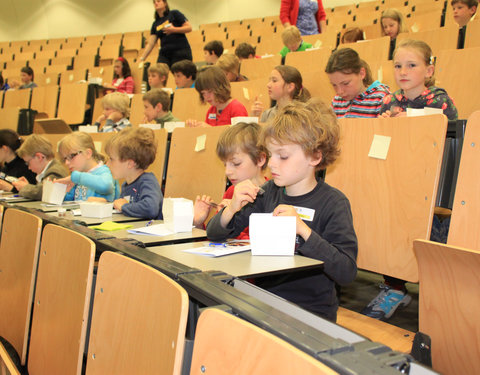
<point x="318" y="84"/>
<point x="385" y="73"/>
<point x="136" y="110"/>
<point x="10" y="117"/>
<point x="158" y="165"/>
<point x="137" y="75"/>
<point x="270" y="44"/>
<point x="454" y="73"/>
<point x="438" y="39"/>
<point x="392" y="200"/>
<point x="72" y="103"/>
<point x="226" y="344"/>
<point x="84" y="61"/>
<point x="259" y="68"/>
<point x="61" y="303"/>
<point x="325" y="40"/>
<point x="47" y="79"/>
<point x="471" y="37"/>
<point x="67" y="52"/>
<point x="372" y="31"/>
<point x="17" y="98"/>
<point x="466" y="206"/>
<point x="18" y="262"/>
<point x="373" y="49"/>
<point x="186" y="105"/>
<point x="449" y="304"/>
<point x="58" y="68"/>
<point x="44" y="100"/>
<point x="73" y="76"/>
<point x="247" y="91"/>
<point x="139" y="320"/>
<point x="104" y="72"/>
<point x="16" y="64"/>
<point x="307" y="61"/>
<point x="192" y="173"/>
<point x="425" y="21"/>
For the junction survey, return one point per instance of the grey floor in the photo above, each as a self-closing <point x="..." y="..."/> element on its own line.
<point x="365" y="287"/>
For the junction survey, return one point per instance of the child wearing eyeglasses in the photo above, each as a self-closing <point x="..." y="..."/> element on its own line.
<point x="90" y="178"/>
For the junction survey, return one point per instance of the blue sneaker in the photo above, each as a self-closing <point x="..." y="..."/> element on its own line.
<point x="386" y="302"/>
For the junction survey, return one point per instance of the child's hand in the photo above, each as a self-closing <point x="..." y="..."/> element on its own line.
<point x="20" y="183"/>
<point x="245" y="192"/>
<point x="201" y="209"/>
<point x="5" y="186"/>
<point x="224" y="203"/>
<point x="100" y="118"/>
<point x="170" y="30"/>
<point x="302" y="229"/>
<point x="190" y="123"/>
<point x="115" y="116"/>
<point x="118" y="203"/>
<point x="257" y="107"/>
<point x="67" y="181"/>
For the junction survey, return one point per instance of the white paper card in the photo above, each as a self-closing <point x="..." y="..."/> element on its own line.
<point x="98" y="146"/>
<point x="96" y="209"/>
<point x="272" y="235"/>
<point x="178" y="214"/>
<point x="151" y="126"/>
<point x="433" y="111"/>
<point x="53" y="192"/>
<point x="246" y="95"/>
<point x="88" y="128"/>
<point x="379" y="147"/>
<point x="170" y="125"/>
<point x="200" y="144"/>
<point x="153" y="230"/>
<point x="380" y="74"/>
<point x="247" y="119"/>
<point x="220" y="250"/>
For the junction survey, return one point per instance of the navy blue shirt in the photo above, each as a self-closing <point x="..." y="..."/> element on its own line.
<point x="145" y="197"/>
<point x="169" y="42"/>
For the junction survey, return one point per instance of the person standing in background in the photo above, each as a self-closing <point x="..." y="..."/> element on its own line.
<point x="308" y="15"/>
<point x="170" y="26"/>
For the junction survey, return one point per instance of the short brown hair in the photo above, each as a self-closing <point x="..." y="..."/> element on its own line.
<point x="291" y="35"/>
<point x="347" y="61"/>
<point x="215" y="46"/>
<point x="244" y="51"/>
<point x="161" y="69"/>
<point x="36" y="143"/>
<point x="352" y="34"/>
<point x="137" y="144"/>
<point x="244" y="137"/>
<point x="155" y="96"/>
<point x="312" y="125"/>
<point x="229" y="63"/>
<point x="213" y="78"/>
<point x="468" y="3"/>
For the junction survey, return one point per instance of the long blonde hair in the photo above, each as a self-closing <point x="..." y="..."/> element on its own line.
<point x="79" y="141"/>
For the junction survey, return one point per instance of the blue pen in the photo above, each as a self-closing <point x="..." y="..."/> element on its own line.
<point x="149" y="223"/>
<point x="217" y="244"/>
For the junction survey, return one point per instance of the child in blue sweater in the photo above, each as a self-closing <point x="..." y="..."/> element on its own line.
<point x="89" y="178"/>
<point x="130" y="153"/>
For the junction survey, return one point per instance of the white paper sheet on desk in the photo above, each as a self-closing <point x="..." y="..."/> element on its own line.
<point x="78" y="212"/>
<point x="218" y="251"/>
<point x="152" y="230"/>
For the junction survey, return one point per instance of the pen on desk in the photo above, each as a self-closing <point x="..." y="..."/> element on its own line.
<point x="149" y="223"/>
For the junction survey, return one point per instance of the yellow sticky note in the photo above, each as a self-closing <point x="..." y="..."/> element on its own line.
<point x="246" y="94"/>
<point x="379" y="147"/>
<point x="70" y="77"/>
<point x="101" y="70"/>
<point x="380" y="74"/>
<point x="98" y="146"/>
<point x="414" y="28"/>
<point x="318" y="43"/>
<point x="200" y="145"/>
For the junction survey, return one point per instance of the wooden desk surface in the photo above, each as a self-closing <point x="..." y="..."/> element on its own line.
<point x="240" y="265"/>
<point x="45" y="207"/>
<point x="148" y="240"/>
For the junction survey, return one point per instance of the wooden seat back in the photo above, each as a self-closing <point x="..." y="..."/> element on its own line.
<point x="72" y="103"/>
<point x="61" y="304"/>
<point x="139" y="319"/>
<point x="191" y="173"/>
<point x="18" y="265"/>
<point x="392" y="200"/>
<point x="186" y="105"/>
<point x="225" y="344"/>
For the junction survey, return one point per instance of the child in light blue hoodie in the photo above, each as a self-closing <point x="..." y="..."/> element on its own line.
<point x="89" y="176"/>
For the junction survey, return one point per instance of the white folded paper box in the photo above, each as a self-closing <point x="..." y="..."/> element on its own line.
<point x="272" y="235"/>
<point x="96" y="209"/>
<point x="53" y="192"/>
<point x="178" y="214"/>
